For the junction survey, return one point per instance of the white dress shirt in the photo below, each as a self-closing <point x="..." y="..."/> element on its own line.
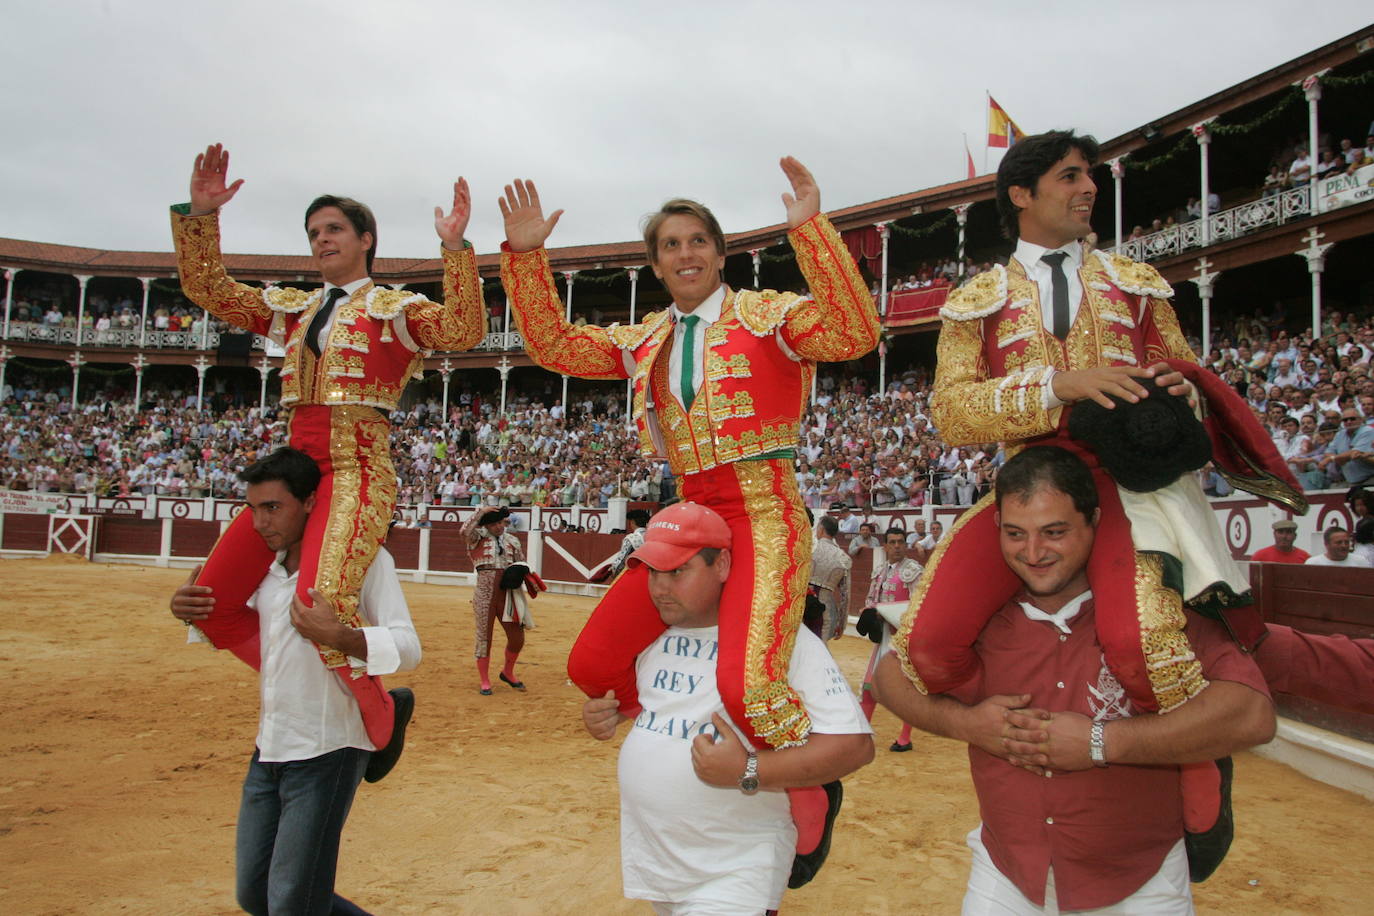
<point x="306" y="710"/>
<point x="709" y="313"/>
<point x="1041" y="274"/>
<point x="349" y="289"/>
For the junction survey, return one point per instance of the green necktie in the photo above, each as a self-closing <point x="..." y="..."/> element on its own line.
<point x="689" y="341"/>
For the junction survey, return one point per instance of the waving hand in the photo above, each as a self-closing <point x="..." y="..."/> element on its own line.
<point x="526" y="228"/>
<point x="208" y="192"/>
<point x="452" y="227"/>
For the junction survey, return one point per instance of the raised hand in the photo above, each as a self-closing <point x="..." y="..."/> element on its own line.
<point x="526" y="228"/>
<point x="805" y="200"/>
<point x="208" y="192"/>
<point x="452" y="227"/>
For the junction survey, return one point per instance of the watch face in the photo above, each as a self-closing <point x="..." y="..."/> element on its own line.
<point x="749" y="784"/>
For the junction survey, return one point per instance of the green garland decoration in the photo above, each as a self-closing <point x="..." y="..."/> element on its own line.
<point x="908" y="232"/>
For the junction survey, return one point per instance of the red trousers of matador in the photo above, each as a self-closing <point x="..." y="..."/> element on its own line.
<point x="353" y="506"/>
<point x="1140" y="619"/>
<point x="761" y="608"/>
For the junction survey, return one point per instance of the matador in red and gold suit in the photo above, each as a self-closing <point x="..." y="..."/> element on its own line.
<point x="720" y="382"/>
<point x="344" y="370"/>
<point x="999" y="374"/>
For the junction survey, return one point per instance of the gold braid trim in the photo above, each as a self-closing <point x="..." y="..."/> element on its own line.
<point x="1174" y="671"/>
<point x="773" y="707"/>
<point x="839" y="321"/>
<point x="902" y="640"/>
<point x="461" y="321"/>
<point x="550" y="340"/>
<point x="1175" y="345"/>
<point x="359" y="512"/>
<point x="969" y="407"/>
<point x="200" y="267"/>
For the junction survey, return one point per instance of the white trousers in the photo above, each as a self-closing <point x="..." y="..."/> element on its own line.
<point x="991" y="893"/>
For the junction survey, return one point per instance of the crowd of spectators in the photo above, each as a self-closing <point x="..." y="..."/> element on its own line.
<point x="857" y="447"/>
<point x="53" y="303"/>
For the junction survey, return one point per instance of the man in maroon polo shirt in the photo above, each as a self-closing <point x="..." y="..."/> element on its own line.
<point x="1079" y="790"/>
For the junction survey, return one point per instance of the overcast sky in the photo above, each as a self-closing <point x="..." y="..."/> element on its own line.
<point x="610" y="107"/>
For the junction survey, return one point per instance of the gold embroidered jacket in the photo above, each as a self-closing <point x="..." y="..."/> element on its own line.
<point x="994" y="356"/>
<point x="378" y="337"/>
<point x="753" y="394"/>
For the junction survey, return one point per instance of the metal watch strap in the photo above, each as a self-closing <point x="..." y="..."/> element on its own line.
<point x="1097" y="745"/>
<point x="749" y="782"/>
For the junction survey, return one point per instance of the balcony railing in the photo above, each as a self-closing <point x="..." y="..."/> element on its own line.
<point x="1245" y="219"/>
<point x="132" y="338"/>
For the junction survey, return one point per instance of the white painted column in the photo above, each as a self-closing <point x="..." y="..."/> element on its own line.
<point x="1312" y="90"/>
<point x="139" y="362"/>
<point x="5" y="354"/>
<point x="504" y="366"/>
<point x="567" y="279"/>
<point x="884" y="233"/>
<point x="1315" y="253"/>
<point x="264" y="370"/>
<point x="76" y="361"/>
<point x="201" y="364"/>
<point x="143" y="322"/>
<point x="629" y="382"/>
<point x="10" y="274"/>
<point x="1204" y="141"/>
<point x="1118" y="169"/>
<point x="756" y="255"/>
<point x="1205" y="279"/>
<point x="204" y="329"/>
<point x="81" y="305"/>
<point x="445" y="371"/>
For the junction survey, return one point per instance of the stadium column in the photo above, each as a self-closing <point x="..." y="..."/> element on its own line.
<point x="1312" y="91"/>
<point x="143" y="322"/>
<point x="1204" y="280"/>
<point x="76" y="361"/>
<point x="445" y="371"/>
<point x="568" y="281"/>
<point x="139" y="362"/>
<point x="630" y="382"/>
<point x="504" y="367"/>
<point x="264" y="370"/>
<point x="81" y="307"/>
<point x="1315" y="254"/>
<point x="5" y="354"/>
<point x="201" y="364"/>
<point x="1204" y="142"/>
<point x="10" y="274"/>
<point x="756" y="255"/>
<point x="1118" y="174"/>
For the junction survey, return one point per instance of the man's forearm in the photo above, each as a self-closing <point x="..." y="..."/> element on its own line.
<point x="1225" y="717"/>
<point x="939" y="715"/>
<point x="822" y="759"/>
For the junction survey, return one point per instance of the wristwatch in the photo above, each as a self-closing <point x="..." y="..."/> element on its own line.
<point x="749" y="782"/>
<point x="1097" y="745"/>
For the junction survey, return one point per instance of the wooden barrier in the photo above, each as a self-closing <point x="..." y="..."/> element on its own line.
<point x="1324" y="600"/>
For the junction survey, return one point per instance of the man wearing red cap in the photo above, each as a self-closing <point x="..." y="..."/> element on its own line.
<point x="703" y="822"/>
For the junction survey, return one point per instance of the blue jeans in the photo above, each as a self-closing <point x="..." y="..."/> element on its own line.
<point x="290" y="820"/>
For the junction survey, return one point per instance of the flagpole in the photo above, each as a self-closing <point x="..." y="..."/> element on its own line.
<point x="987" y="109"/>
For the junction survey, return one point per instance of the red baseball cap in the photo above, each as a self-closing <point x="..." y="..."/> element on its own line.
<point x="675" y="535"/>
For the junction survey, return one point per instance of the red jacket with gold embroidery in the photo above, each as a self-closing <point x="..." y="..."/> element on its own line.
<point x="378" y="337"/>
<point x="753" y="393"/>
<point x="994" y="354"/>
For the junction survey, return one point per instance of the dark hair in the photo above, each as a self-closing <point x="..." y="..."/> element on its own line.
<point x="829" y="525"/>
<point x="1048" y="466"/>
<point x="1331" y="532"/>
<point x="1027" y="161"/>
<point x="681" y="206"/>
<point x="894" y="530"/>
<point x="292" y="467"/>
<point x="358" y="213"/>
<point x="709" y="555"/>
<point x="639" y="516"/>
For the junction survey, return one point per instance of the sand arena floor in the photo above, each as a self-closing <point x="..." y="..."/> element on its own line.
<point x="124" y="750"/>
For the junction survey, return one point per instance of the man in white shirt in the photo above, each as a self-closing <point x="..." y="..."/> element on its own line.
<point x="1338" y="546"/>
<point x="704" y="825"/>
<point x="312" y="749"/>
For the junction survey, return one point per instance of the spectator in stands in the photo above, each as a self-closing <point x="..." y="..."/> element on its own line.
<point x="1276" y="181"/>
<point x="1283" y="549"/>
<point x="1338" y="546"/>
<point x="867" y="538"/>
<point x="1352" y="451"/>
<point x="1300" y="171"/>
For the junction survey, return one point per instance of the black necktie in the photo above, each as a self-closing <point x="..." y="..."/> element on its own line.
<point x="1060" y="286"/>
<point x="317" y="324"/>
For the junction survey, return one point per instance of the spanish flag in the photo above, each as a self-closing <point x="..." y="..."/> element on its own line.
<point x="1002" y="130"/>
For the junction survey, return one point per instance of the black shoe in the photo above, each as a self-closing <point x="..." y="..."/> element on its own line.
<point x="383" y="760"/>
<point x="900" y="748"/>
<point x="805" y="866"/>
<point x="518" y="685"/>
